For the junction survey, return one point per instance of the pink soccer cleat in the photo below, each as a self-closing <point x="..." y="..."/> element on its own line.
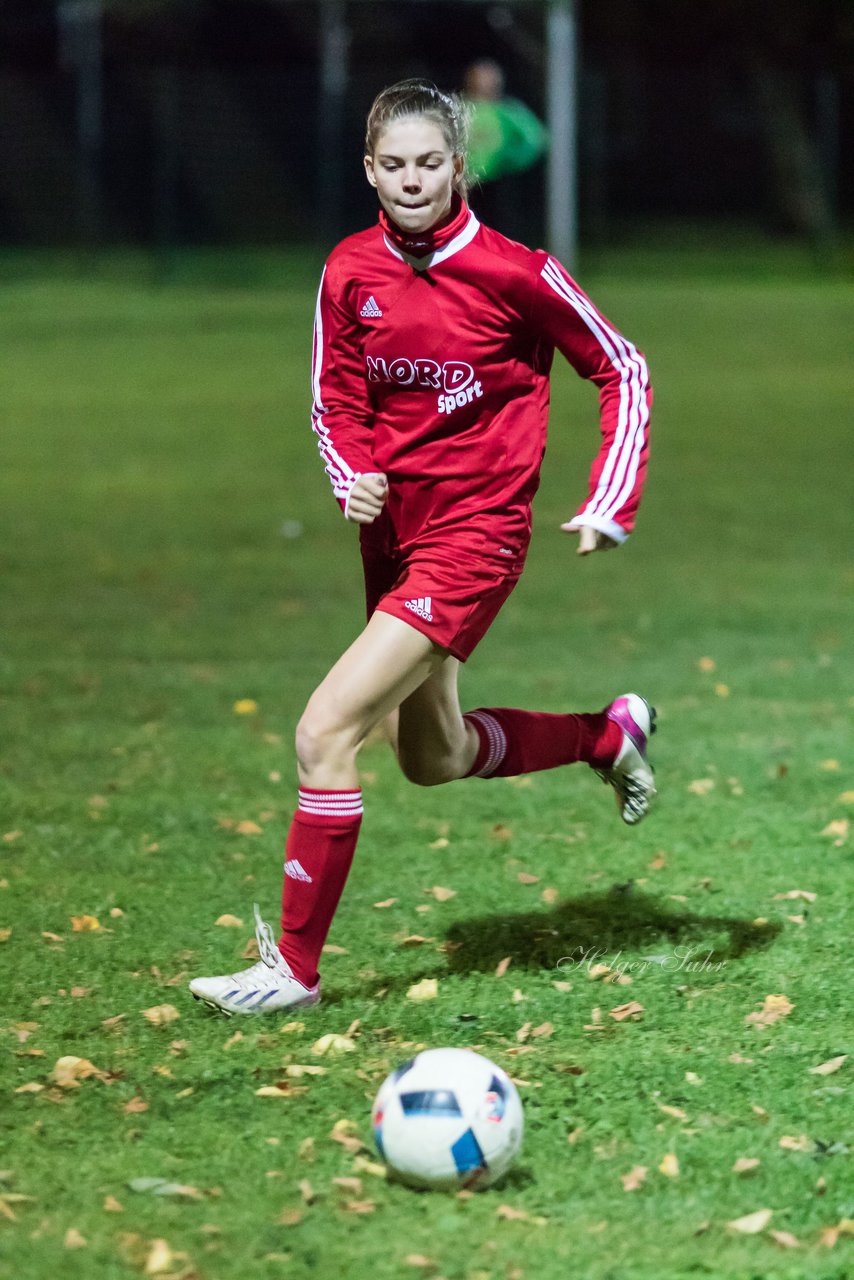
<point x="631" y="775"/>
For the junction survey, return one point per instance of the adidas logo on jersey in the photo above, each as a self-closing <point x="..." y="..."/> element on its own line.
<point x="421" y="606"/>
<point x="296" y="871"/>
<point x="371" y="309"/>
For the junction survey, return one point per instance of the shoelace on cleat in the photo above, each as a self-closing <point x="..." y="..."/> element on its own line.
<point x="267" y="949"/>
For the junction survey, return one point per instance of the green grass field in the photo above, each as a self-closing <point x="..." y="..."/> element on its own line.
<point x="169" y="547"/>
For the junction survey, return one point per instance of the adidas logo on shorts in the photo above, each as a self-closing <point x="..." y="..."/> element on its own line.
<point x="421" y="606"/>
<point x="371" y="309"/>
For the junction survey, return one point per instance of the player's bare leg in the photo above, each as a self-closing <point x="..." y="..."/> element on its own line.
<point x="434" y="743"/>
<point x="380" y="669"/>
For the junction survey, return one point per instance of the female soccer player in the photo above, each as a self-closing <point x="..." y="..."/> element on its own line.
<point x="434" y="337"/>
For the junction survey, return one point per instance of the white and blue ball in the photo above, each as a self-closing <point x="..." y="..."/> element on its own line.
<point x="448" y="1118"/>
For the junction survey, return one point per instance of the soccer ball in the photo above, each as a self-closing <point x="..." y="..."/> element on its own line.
<point x="448" y="1118"/>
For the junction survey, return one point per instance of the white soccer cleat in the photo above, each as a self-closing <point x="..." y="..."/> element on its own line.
<point x="630" y="775"/>
<point x="266" y="987"/>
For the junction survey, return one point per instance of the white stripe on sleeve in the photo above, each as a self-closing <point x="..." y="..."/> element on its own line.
<point x="339" y="471"/>
<point x="619" y="472"/>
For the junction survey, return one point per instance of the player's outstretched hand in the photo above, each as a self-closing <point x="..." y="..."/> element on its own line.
<point x="367" y="497"/>
<point x="589" y="539"/>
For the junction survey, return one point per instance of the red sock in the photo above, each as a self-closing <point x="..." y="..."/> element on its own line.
<point x="318" y="855"/>
<point x="513" y="742"/>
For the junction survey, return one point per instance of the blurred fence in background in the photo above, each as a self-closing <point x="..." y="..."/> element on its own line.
<point x="195" y="122"/>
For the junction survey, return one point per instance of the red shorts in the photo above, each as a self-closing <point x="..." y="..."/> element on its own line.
<point x="450" y="587"/>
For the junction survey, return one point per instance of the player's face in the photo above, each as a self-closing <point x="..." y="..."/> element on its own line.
<point x="413" y="171"/>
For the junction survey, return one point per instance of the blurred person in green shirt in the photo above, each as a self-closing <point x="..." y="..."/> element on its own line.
<point x="505" y="135"/>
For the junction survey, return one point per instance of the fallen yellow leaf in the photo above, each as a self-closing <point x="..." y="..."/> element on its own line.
<point x="676" y="1112"/>
<point x="800" y="1143"/>
<point x="69" y="1071"/>
<point x="359" y="1206"/>
<point x="752" y="1223"/>
<point x="353" y="1185"/>
<point x="543" y="1031"/>
<point x="785" y="1239"/>
<point x="525" y="877"/>
<point x="74" y="1240"/>
<point x="745" y="1164"/>
<point x="828" y="1068"/>
<point x="159" y="1014"/>
<point x="389" y="902"/>
<point x="426" y="989"/>
<point x="245" y="707"/>
<point x="803" y="895"/>
<point x="85" y="924"/>
<point x="773" y="1008"/>
<point x="345" y="1133"/>
<point x="839" y="827"/>
<point x="161" y="1258"/>
<point x="669" y="1165"/>
<point x="635" y="1178"/>
<point x="503" y="966"/>
<point x="332" y="1045"/>
<point x="136" y="1106"/>
<point x="631" y="1010"/>
<point x="701" y="786"/>
<point x="229" y="922"/>
<point x="248" y="828"/>
<point x="440" y="893"/>
<point x="508" y="1214"/>
<point x="706" y="664"/>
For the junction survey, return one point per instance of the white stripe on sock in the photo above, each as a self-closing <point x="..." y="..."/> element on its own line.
<point x="342" y="804"/>
<point x="496" y="738"/>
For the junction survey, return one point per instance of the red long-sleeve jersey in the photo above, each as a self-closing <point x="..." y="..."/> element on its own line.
<point x="436" y="372"/>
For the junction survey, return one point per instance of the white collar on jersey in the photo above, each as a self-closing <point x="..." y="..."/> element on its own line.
<point x="460" y="241"/>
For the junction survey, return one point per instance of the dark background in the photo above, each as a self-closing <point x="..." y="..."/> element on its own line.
<point x="211" y="126"/>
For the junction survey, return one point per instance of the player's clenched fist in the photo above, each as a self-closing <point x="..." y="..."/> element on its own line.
<point x="367" y="497"/>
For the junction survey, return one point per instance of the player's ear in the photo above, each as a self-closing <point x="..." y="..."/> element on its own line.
<point x="369" y="170"/>
<point x="459" y="169"/>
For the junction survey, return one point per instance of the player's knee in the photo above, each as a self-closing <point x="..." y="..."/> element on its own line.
<point x="320" y="740"/>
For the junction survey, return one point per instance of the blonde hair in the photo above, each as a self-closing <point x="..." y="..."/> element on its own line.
<point x="422" y="98"/>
